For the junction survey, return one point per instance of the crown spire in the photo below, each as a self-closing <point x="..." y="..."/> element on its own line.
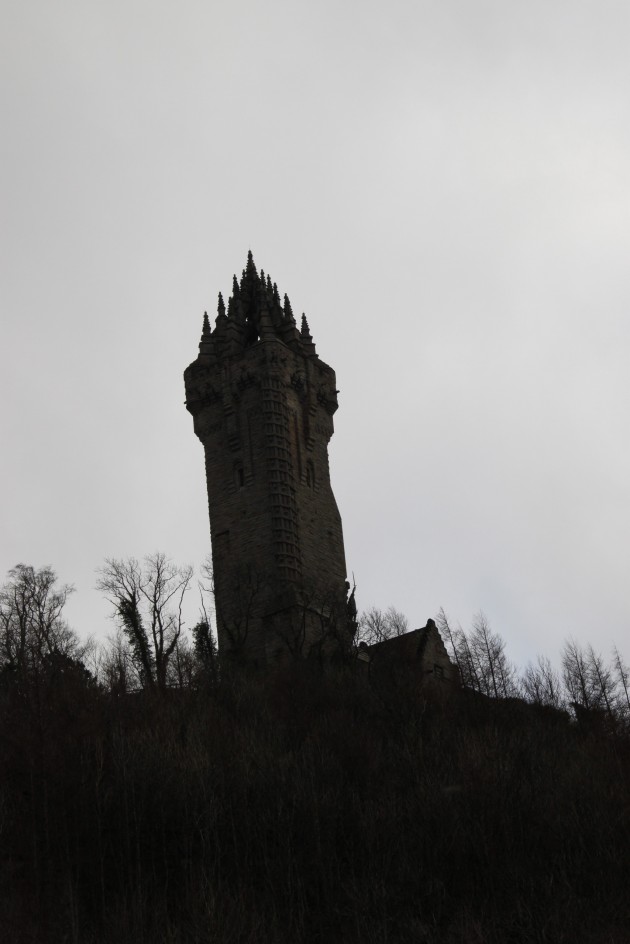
<point x="250" y="268"/>
<point x="256" y="307"/>
<point x="221" y="318"/>
<point x="305" y="336"/>
<point x="206" y="345"/>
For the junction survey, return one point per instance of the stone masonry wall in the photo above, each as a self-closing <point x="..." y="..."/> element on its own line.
<point x="265" y="420"/>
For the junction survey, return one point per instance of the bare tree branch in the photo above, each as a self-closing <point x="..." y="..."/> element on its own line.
<point x="145" y="595"/>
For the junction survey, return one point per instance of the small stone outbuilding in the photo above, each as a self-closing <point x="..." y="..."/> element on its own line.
<point x="421" y="649"/>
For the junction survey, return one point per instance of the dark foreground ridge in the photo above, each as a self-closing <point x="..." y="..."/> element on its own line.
<point x="307" y="807"/>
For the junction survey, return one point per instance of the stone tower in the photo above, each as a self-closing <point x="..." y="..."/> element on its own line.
<point x="263" y="403"/>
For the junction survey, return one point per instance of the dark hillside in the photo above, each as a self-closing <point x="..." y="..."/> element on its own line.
<point x="307" y="809"/>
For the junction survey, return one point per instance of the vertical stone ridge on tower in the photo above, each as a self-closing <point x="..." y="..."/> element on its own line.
<point x="262" y="402"/>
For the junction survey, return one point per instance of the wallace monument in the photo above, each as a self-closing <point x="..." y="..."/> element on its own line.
<point x="263" y="405"/>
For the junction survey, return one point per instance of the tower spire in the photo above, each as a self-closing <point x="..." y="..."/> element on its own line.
<point x="306" y="338"/>
<point x="250" y="268"/>
<point x="206" y="344"/>
<point x="221" y="319"/>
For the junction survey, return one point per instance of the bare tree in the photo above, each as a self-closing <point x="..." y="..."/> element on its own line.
<point x="494" y="672"/>
<point x="181" y="667"/>
<point x="147" y="601"/>
<point x="376" y="625"/>
<point x="603" y="682"/>
<point x="541" y="684"/>
<point x="318" y="625"/>
<point x="480" y="657"/>
<point x="290" y="628"/>
<point x="32" y="626"/>
<point x="622" y="678"/>
<point x="116" y="668"/>
<point x="457" y="640"/>
<point x="577" y="676"/>
<point x="234" y="626"/>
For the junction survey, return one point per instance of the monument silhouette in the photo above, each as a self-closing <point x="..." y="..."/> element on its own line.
<point x="263" y="402"/>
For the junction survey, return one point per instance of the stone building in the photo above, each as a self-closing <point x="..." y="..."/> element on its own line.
<point x="422" y="651"/>
<point x="263" y="403"/>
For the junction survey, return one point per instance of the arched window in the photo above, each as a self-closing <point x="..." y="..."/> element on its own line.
<point x="239" y="475"/>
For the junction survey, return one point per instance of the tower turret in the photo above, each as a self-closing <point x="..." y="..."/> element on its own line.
<point x="263" y="403"/>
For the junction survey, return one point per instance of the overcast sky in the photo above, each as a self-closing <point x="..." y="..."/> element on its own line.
<point x="443" y="187"/>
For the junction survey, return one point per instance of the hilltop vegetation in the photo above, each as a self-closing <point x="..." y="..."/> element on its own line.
<point x="303" y="806"/>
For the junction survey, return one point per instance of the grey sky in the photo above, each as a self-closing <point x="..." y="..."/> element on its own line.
<point x="443" y="187"/>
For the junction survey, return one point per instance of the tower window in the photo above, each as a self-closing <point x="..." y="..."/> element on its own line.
<point x="239" y="475"/>
<point x="310" y="474"/>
